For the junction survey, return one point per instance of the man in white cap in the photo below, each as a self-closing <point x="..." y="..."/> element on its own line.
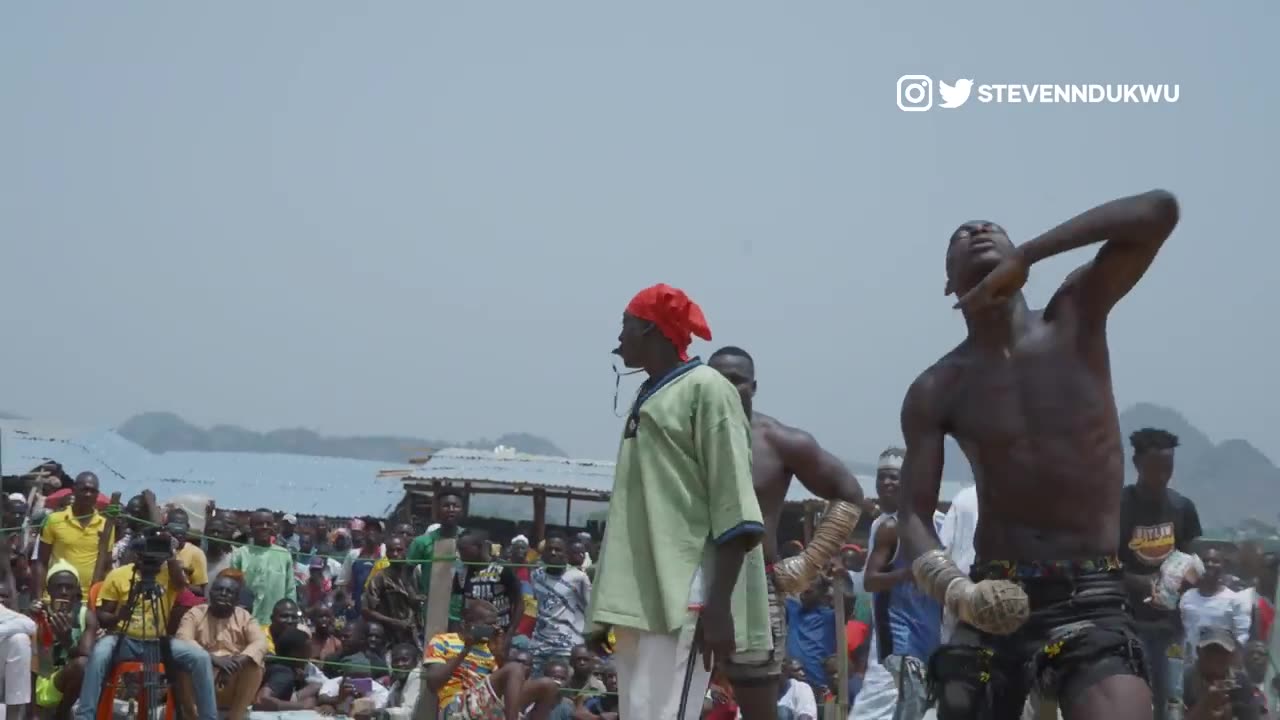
<point x="288" y="537"/>
<point x="877" y="700"/>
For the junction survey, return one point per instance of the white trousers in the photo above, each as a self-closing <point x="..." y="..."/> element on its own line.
<point x="15" y="654"/>
<point x="651" y="670"/>
<point x="879" y="694"/>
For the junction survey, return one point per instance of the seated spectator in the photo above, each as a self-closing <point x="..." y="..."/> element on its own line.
<point x="284" y="682"/>
<point x="181" y="604"/>
<point x="407" y="677"/>
<point x="136" y="635"/>
<point x="15" y="650"/>
<point x="1214" y="688"/>
<point x="285" y="615"/>
<point x="584" y="680"/>
<point x="557" y="670"/>
<point x="1256" y="662"/>
<point x="235" y="643"/>
<point x="797" y="701"/>
<point x="367" y="645"/>
<point x="353" y="694"/>
<point x="605" y="704"/>
<point x="67" y="634"/>
<point x="522" y="656"/>
<point x="719" y="703"/>
<point x="324" y="635"/>
<point x="462" y="671"/>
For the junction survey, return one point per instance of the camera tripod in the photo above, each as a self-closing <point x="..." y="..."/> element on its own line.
<point x="144" y="606"/>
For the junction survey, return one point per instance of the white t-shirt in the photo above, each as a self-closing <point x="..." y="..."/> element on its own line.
<point x="799" y="700"/>
<point x="956" y="535"/>
<point x="1222" y="609"/>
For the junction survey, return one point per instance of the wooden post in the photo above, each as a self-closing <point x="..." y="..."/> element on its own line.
<point x="808" y="521"/>
<point x="209" y="510"/>
<point x="438" y="597"/>
<point x="1274" y="653"/>
<point x="539" y="516"/>
<point x="436" y="489"/>
<point x="568" y="515"/>
<point x="105" y="541"/>
<point x="842" y="652"/>
<point x="466" y="500"/>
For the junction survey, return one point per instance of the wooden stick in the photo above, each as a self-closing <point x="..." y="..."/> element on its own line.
<point x="105" y="540"/>
<point x="438" y="597"/>
<point x="842" y="650"/>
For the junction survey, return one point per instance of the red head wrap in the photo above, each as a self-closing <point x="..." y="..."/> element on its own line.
<point x="678" y="318"/>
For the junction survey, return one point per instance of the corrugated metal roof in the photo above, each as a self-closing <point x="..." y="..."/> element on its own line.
<point x="516" y="469"/>
<point x="304" y="484"/>
<point x="299" y="484"/>
<point x="118" y="463"/>
<point x="557" y="473"/>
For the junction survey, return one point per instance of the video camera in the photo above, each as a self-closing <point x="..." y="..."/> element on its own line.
<point x="152" y="549"/>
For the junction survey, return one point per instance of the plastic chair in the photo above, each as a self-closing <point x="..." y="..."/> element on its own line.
<point x="106" y="702"/>
<point x="93" y="594"/>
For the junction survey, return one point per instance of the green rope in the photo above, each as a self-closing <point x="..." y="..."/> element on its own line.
<point x="365" y="667"/>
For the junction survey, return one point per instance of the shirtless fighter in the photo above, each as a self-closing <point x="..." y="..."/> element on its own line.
<point x="778" y="453"/>
<point x="1028" y="397"/>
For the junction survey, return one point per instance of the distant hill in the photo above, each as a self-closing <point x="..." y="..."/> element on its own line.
<point x="163" y="432"/>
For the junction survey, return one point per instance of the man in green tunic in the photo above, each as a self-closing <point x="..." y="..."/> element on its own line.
<point x="267" y="568"/>
<point x="684" y="525"/>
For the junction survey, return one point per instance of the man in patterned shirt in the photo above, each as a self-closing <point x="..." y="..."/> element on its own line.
<point x="463" y="673"/>
<point x="562" y="592"/>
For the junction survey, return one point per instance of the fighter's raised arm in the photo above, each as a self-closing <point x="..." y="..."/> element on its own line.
<point x="921" y="477"/>
<point x="1134" y="229"/>
<point x="818" y="470"/>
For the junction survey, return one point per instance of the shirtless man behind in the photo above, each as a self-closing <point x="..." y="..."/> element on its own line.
<point x="1028" y="397"/>
<point x="778" y="453"/>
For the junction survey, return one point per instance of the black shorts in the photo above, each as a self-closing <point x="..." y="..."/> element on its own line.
<point x="1079" y="632"/>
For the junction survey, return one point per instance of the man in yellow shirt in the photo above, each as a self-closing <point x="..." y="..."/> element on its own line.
<point x="135" y="617"/>
<point x="190" y="556"/>
<point x="71" y="535"/>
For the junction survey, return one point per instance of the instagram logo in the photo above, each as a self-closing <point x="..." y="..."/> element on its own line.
<point x="915" y="93"/>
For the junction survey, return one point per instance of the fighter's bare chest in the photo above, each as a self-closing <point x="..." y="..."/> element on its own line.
<point x="1037" y="390"/>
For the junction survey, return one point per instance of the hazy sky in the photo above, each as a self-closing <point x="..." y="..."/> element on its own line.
<point x="426" y="218"/>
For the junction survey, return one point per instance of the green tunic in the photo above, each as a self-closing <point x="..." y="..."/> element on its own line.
<point x="682" y="485"/>
<point x="268" y="573"/>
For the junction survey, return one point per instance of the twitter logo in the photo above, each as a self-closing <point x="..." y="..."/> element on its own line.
<point x="953" y="96"/>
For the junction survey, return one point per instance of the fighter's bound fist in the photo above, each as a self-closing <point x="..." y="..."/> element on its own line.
<point x="998" y="607"/>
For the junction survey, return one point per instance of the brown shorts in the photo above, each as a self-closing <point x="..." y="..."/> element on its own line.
<point x="758" y="665"/>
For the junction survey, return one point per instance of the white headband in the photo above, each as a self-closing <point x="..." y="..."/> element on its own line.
<point x="889" y="462"/>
